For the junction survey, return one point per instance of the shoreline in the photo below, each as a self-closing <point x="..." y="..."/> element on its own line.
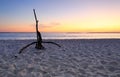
<point x="75" y="58"/>
<point x="27" y="36"/>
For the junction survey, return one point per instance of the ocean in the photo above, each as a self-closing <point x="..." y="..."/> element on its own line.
<point x="52" y="35"/>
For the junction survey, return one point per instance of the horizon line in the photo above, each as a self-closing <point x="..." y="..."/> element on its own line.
<point x="60" y="32"/>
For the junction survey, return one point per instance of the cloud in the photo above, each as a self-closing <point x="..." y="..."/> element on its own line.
<point x="53" y="24"/>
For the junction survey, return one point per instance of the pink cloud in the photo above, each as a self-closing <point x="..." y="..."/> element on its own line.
<point x="53" y="24"/>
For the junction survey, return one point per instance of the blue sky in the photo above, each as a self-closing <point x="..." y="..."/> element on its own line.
<point x="65" y="12"/>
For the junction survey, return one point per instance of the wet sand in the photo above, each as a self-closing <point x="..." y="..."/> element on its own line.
<point x="76" y="58"/>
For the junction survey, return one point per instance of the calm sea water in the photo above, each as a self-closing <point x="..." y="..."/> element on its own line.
<point x="30" y="35"/>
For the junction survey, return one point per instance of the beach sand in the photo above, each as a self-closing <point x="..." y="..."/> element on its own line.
<point x="75" y="58"/>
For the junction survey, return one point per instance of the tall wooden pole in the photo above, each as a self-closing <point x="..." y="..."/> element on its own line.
<point x="39" y="38"/>
<point x="36" y="23"/>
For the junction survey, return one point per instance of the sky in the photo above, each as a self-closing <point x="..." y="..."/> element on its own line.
<point x="60" y="15"/>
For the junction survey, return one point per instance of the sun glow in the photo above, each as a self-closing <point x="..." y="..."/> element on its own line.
<point x="68" y="16"/>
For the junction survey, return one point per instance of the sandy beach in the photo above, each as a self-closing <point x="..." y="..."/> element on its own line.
<point x="75" y="58"/>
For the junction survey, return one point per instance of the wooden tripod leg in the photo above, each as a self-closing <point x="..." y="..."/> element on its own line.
<point x="26" y="47"/>
<point x="21" y="50"/>
<point x="52" y="43"/>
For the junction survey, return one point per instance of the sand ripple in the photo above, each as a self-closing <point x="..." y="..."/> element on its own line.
<point x="76" y="58"/>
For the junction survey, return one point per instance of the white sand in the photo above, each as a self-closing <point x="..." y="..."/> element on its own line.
<point x="76" y="58"/>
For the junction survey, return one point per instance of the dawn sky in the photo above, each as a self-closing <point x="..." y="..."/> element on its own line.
<point x="60" y="15"/>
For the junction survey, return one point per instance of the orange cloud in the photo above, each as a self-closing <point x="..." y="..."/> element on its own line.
<point x="52" y="24"/>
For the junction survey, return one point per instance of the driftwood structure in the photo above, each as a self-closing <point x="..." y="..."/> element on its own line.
<point x="39" y="39"/>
